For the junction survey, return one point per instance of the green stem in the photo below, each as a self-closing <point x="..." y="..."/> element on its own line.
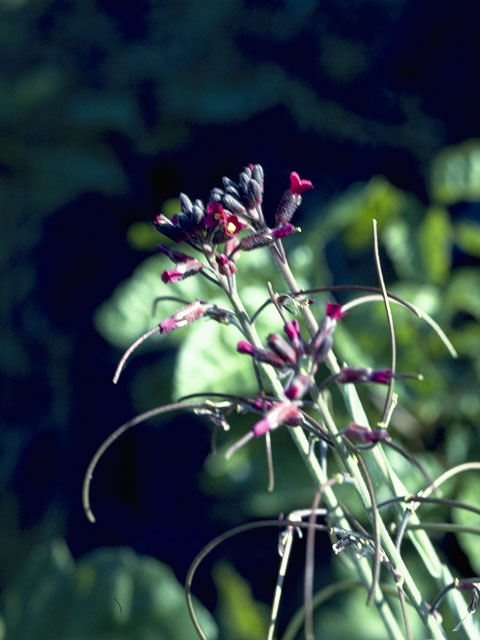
<point x="384" y="473"/>
<point x="335" y="512"/>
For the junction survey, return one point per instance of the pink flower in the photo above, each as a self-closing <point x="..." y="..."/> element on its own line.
<point x="282" y="413"/>
<point x="297" y="185"/>
<point x="215" y="214"/>
<point x="184" y="269"/>
<point x="334" y="311"/>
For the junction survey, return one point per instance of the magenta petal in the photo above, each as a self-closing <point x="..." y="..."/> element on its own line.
<point x="334" y="311"/>
<point x="172" y="275"/>
<point x="297" y="185"/>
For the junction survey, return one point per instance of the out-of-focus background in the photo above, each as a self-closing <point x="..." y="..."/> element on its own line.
<point x="107" y="111"/>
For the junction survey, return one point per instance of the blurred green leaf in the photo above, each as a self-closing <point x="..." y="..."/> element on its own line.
<point x="129" y="311"/>
<point x="109" y="593"/>
<point x="379" y="200"/>
<point x="142" y="236"/>
<point x="242" y="616"/>
<point x="467" y="237"/>
<point x="468" y="493"/>
<point x="435" y="244"/>
<point x="455" y="173"/>
<point x="462" y="292"/>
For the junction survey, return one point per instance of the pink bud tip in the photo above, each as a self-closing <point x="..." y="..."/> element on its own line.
<point x="261" y="428"/>
<point x="292" y="329"/>
<point x="297" y="185"/>
<point x="245" y="347"/>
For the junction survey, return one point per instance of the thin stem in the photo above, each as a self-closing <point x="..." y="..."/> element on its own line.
<point x="130" y="350"/>
<point x="310" y="559"/>
<point x="393" y="348"/>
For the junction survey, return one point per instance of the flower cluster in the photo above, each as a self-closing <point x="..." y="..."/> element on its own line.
<point x="212" y="229"/>
<point x="296" y="356"/>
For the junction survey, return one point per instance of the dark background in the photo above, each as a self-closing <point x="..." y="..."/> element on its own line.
<point x="107" y="109"/>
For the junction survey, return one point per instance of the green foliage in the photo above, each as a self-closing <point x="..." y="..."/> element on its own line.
<point x="109" y="593"/>
<point x="242" y="617"/>
<point x="468" y="493"/>
<point x="455" y="174"/>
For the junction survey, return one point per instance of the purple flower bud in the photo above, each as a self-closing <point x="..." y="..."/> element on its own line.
<point x="353" y="374"/>
<point x="282" y="348"/>
<point x="185" y="203"/>
<point x="299" y="387"/>
<point x="198" y="212"/>
<point x="262" y="355"/>
<point x="322" y="341"/>
<point x="174" y="255"/>
<point x="225" y="266"/>
<point x="287" y="207"/>
<point x="233" y="205"/>
<point x="365" y="435"/>
<point x="168" y="228"/>
<point x="260" y="404"/>
<point x="383" y="376"/>
<point x="282" y="413"/>
<point x="283" y="230"/>
<point x="254" y="194"/>
<point x="292" y="329"/>
<point x="364" y="374"/>
<point x="183" y="317"/>
<point x="257" y="174"/>
<point x="245" y="347"/>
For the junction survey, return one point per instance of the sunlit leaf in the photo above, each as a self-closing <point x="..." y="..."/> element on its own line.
<point x="467" y="237"/>
<point x="243" y="617"/>
<point x="378" y="200"/>
<point x="435" y="244"/>
<point x="455" y="173"/>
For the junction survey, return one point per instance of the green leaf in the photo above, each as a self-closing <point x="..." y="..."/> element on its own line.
<point x="110" y="594"/>
<point x="462" y="292"/>
<point x="455" y="174"/>
<point x="435" y="244"/>
<point x="467" y="237"/>
<point x="379" y="200"/>
<point x="242" y="616"/>
<point x="129" y="311"/>
<point x="469" y="493"/>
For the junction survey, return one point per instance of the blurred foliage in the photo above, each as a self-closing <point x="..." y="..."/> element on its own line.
<point x="110" y="593"/>
<point x="242" y="618"/>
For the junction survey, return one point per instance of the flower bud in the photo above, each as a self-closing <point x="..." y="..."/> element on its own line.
<point x="184" y="316"/>
<point x="282" y="413"/>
